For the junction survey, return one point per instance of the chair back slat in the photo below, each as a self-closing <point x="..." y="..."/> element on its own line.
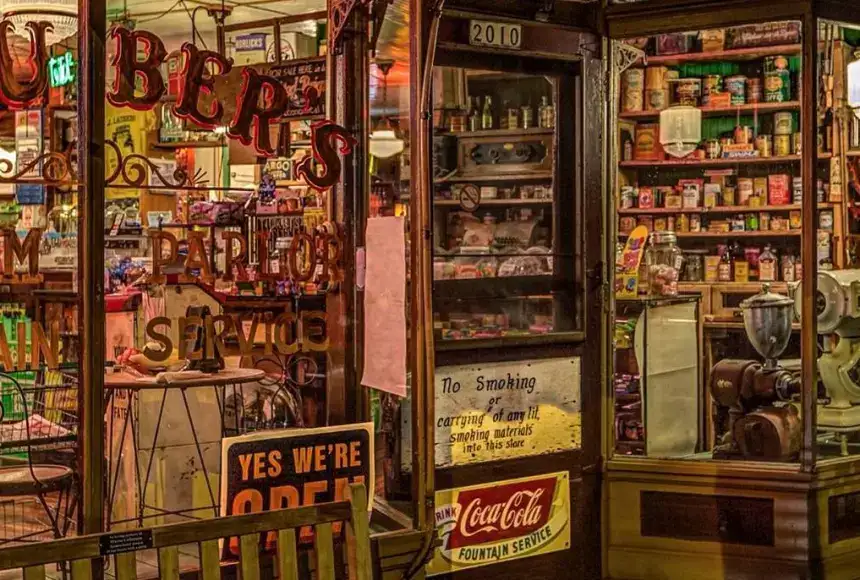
<point x="82" y="551"/>
<point x="168" y="563"/>
<point x="324" y="551"/>
<point x="82" y="569"/>
<point x="249" y="553"/>
<point x="210" y="560"/>
<point x="126" y="566"/>
<point x="288" y="555"/>
<point x="34" y="573"/>
<point x="357" y="535"/>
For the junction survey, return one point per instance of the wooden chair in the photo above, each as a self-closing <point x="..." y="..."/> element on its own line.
<point x="83" y="551"/>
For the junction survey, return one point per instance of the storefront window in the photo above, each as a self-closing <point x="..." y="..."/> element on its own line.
<point x="708" y="197"/>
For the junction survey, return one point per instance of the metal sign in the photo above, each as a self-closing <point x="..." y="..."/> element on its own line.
<point x="495" y="34"/>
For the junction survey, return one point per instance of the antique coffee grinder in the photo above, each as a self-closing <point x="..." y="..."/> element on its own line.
<point x="754" y="401"/>
<point x="838" y="308"/>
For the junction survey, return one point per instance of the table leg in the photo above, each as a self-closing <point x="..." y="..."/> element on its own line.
<point x="142" y="498"/>
<point x="199" y="451"/>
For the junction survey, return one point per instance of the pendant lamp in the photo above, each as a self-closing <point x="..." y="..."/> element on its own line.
<point x="680" y="130"/>
<point x="62" y="14"/>
<point x="384" y="142"/>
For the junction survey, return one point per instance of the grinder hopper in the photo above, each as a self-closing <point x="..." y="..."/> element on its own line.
<point x="767" y="321"/>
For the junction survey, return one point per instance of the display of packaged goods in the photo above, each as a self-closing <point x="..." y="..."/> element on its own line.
<point x="647" y="145"/>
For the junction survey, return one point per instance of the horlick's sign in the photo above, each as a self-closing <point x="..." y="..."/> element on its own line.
<point x="263" y="99"/>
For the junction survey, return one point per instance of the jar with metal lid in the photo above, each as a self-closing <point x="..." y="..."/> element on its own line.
<point x="694" y="265"/>
<point x="663" y="259"/>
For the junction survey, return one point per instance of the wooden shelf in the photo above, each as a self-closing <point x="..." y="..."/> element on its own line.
<point x="188" y="145"/>
<point x="537" y="176"/>
<point x="724" y="111"/>
<point x="644" y="163"/>
<point x="717" y="210"/>
<point x="736" y="54"/>
<point x="757" y="234"/>
<point x="779" y="287"/>
<point x="500" y="132"/>
<point x="497" y="202"/>
<point x="720" y="325"/>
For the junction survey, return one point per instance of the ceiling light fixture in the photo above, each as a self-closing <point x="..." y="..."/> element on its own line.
<point x="62" y="14"/>
<point x="384" y="142"/>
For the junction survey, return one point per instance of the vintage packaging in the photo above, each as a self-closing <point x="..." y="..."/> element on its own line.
<point x="713" y="40"/>
<point x="794" y="220"/>
<point x="745" y="190"/>
<point x="779" y="189"/>
<point x="633" y="90"/>
<point x="712" y="268"/>
<point x="674" y="200"/>
<point x="695" y="223"/>
<point x="646" y="197"/>
<point x="647" y="146"/>
<point x="712" y="194"/>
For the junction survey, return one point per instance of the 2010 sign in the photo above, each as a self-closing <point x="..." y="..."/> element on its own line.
<point x="495" y="34"/>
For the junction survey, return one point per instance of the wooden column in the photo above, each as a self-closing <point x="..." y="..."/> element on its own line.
<point x="91" y="209"/>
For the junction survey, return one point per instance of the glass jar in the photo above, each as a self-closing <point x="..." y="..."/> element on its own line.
<point x="663" y="259"/>
<point x="694" y="265"/>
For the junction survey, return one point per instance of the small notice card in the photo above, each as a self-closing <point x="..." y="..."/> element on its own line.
<point x="385" y="306"/>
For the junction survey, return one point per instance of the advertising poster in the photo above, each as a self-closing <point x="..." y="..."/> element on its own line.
<point x="502" y="410"/>
<point x="500" y="521"/>
<point x="293" y="468"/>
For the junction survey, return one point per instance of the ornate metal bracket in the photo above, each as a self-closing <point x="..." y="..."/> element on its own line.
<point x="624" y="55"/>
<point x="131" y="171"/>
<point x="339" y="12"/>
<point x="56" y="167"/>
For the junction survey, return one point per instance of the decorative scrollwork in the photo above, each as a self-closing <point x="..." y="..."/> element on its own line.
<point x="339" y="12"/>
<point x="133" y="170"/>
<point x="57" y="168"/>
<point x="624" y="55"/>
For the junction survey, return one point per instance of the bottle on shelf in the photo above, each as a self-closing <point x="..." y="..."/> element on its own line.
<point x="528" y="119"/>
<point x="724" y="270"/>
<point x="487" y="114"/>
<point x="740" y="266"/>
<point x="511" y="116"/>
<point x="546" y="114"/>
<point x="475" y="114"/>
<point x="767" y="265"/>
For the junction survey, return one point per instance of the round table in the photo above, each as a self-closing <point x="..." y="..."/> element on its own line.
<point x="132" y="384"/>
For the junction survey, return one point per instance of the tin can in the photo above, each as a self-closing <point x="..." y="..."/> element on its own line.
<point x="695" y="223"/>
<point x="794" y="220"/>
<point x="777" y="80"/>
<point x="633" y="90"/>
<point x="670" y="223"/>
<point x="745" y="190"/>
<point x="743" y="134"/>
<point x="782" y="145"/>
<point x="783" y="123"/>
<point x="728" y="196"/>
<point x="751" y="224"/>
<point x="683" y="223"/>
<point x="713" y="149"/>
<point x="626" y="224"/>
<point x="825" y="220"/>
<point x="797" y="190"/>
<point x="764" y="145"/>
<point x="759" y="191"/>
<point x="754" y="93"/>
<point x="628" y="195"/>
<point x="689" y="91"/>
<point x="656" y="99"/>
<point x="797" y="144"/>
<point x="736" y="86"/>
<point x="711" y="84"/>
<point x="738" y="223"/>
<point x="660" y="224"/>
<point x="764" y="221"/>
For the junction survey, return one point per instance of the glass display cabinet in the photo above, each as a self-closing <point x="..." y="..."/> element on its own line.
<point x="511" y="172"/>
<point x="734" y="133"/>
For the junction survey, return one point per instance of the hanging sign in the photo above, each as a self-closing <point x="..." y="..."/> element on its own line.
<point x="304" y="81"/>
<point x="292" y="468"/>
<point x="501" y="521"/>
<point x="493" y="411"/>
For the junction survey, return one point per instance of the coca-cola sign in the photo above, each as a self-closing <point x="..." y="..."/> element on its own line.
<point x="485" y="524"/>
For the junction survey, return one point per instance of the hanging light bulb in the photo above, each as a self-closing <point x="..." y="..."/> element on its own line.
<point x="680" y="130"/>
<point x="384" y="142"/>
<point x="854" y="84"/>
